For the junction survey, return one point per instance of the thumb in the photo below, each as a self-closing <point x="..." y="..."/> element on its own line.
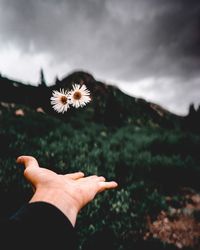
<point x="31" y="168"/>
<point x="28" y="161"/>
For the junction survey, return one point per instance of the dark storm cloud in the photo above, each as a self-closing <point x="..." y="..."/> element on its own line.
<point x="126" y="40"/>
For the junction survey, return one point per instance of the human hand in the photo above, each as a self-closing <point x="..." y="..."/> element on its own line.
<point x="69" y="192"/>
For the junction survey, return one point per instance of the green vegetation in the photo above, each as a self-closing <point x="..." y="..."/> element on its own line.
<point x="148" y="162"/>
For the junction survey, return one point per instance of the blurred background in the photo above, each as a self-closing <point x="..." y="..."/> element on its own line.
<point x="140" y="59"/>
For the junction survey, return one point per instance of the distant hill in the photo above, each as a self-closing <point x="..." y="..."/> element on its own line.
<point x="109" y="104"/>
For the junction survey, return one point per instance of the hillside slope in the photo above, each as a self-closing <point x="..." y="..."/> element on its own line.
<point x="154" y="167"/>
<point x="109" y="105"/>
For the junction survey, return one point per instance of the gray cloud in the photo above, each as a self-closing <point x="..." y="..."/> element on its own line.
<point x="125" y="40"/>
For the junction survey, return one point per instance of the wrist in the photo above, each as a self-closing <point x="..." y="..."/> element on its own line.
<point x="59" y="199"/>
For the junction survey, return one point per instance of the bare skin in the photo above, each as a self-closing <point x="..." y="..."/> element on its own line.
<point x="69" y="192"/>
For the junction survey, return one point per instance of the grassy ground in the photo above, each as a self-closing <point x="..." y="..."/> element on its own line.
<point x="152" y="166"/>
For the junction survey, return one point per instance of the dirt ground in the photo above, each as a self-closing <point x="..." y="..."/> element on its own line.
<point x="180" y="225"/>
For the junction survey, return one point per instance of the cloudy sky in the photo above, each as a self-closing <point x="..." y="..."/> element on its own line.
<point x="149" y="48"/>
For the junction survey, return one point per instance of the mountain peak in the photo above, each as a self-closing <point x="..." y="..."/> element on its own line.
<point x="78" y="77"/>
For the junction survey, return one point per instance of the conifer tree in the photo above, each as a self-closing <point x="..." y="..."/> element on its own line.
<point x="57" y="81"/>
<point x="42" y="79"/>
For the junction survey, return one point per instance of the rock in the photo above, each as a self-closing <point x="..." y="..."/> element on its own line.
<point x="40" y="110"/>
<point x="19" y="112"/>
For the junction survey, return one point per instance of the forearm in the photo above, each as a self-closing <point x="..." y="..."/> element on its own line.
<point x="39" y="225"/>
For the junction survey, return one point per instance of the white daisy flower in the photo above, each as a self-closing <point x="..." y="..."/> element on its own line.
<point x="79" y="96"/>
<point x="60" y="100"/>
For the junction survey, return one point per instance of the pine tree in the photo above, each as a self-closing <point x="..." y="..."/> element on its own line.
<point x="57" y="81"/>
<point x="192" y="110"/>
<point x="42" y="79"/>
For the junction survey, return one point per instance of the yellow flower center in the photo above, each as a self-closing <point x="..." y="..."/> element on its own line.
<point x="77" y="95"/>
<point x="63" y="99"/>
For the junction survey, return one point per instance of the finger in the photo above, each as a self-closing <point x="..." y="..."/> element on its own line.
<point x="74" y="176"/>
<point x="101" y="178"/>
<point x="92" y="177"/>
<point x="28" y="161"/>
<point x="107" y="185"/>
